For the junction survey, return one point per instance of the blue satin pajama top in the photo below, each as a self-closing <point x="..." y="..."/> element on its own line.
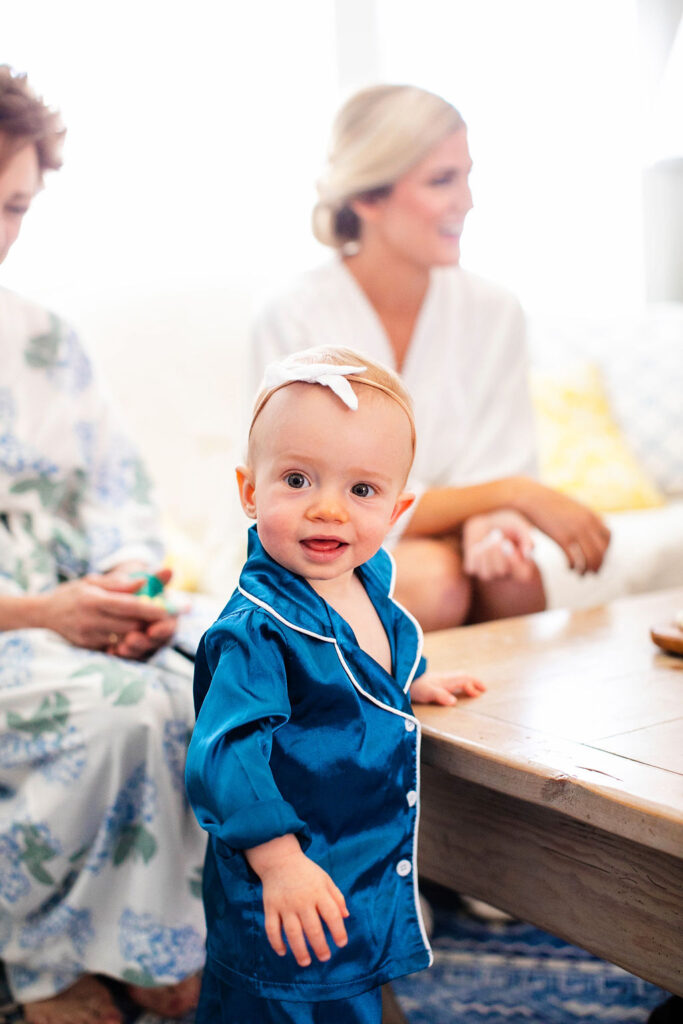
<point x="299" y="730"/>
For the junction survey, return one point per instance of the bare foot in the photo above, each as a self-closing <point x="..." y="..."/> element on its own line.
<point x="86" y="1002"/>
<point x="168" y="1000"/>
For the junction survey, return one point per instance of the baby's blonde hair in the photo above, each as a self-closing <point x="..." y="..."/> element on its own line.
<point x="375" y="375"/>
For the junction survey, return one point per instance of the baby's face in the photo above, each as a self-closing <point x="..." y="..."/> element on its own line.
<point x="325" y="483"/>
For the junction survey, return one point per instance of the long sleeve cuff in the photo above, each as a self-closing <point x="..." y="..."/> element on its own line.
<point x="258" y="823"/>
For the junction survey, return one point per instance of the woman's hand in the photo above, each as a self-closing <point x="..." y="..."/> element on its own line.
<point x="442" y="687"/>
<point x="498" y="544"/>
<point x="297" y="897"/>
<point x="141" y="643"/>
<point x="582" y="535"/>
<point x="101" y="612"/>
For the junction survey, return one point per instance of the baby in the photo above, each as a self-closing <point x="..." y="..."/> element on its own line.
<point x="304" y="763"/>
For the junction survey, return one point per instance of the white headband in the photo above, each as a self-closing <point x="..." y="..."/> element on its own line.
<point x="334" y="376"/>
<point x="330" y="375"/>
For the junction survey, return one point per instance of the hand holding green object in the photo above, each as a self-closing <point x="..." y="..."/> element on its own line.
<point x="152" y="591"/>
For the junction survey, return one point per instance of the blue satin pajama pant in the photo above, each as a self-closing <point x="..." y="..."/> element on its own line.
<point x="221" y="1004"/>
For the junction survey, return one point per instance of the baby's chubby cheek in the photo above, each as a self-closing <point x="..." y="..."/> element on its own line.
<point x="276" y="530"/>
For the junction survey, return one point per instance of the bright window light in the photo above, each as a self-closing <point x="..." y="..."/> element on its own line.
<point x="196" y="132"/>
<point x="194" y="139"/>
<point x="551" y="94"/>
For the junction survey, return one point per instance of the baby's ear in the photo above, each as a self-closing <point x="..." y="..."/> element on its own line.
<point x="245" y="485"/>
<point x="403" y="503"/>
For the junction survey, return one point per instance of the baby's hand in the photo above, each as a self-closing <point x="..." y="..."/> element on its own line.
<point x="441" y="688"/>
<point x="298" y="896"/>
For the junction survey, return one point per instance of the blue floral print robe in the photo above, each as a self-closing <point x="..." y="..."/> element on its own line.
<point x="299" y="730"/>
<point x="100" y="856"/>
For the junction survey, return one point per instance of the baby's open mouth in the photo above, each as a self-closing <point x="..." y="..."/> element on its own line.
<point x="323" y="543"/>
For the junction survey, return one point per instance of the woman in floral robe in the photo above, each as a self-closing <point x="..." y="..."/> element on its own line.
<point x="100" y="856"/>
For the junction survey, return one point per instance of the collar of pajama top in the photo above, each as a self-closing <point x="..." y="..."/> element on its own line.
<point x="292" y="600"/>
<point x="343" y="775"/>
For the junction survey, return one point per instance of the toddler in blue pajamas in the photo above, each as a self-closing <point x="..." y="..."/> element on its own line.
<point x="304" y="763"/>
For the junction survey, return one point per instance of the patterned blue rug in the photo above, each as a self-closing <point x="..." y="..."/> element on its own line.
<point x="503" y="974"/>
<point x="516" y="974"/>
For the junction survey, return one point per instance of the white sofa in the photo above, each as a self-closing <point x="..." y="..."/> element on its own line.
<point x="640" y="359"/>
<point x="186" y="406"/>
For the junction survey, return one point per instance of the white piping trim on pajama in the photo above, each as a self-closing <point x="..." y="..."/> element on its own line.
<point x="329" y="640"/>
<point x="418" y="627"/>
<point x="392" y="581"/>
<point x="418" y="742"/>
<point x="416" y="830"/>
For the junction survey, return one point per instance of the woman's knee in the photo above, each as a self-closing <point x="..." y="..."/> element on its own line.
<point x="507" y="597"/>
<point x="431" y="583"/>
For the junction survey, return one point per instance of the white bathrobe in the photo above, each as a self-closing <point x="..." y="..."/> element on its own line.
<point x="466" y="367"/>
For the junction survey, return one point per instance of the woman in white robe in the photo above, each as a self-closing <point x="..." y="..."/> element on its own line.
<point x="393" y="202"/>
<point x="100" y="855"/>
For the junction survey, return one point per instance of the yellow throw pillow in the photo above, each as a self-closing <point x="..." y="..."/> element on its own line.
<point x="582" y="451"/>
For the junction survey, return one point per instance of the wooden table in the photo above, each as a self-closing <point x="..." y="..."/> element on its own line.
<point x="558" y="794"/>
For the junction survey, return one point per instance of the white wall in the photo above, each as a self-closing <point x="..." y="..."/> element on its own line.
<point x="552" y="95"/>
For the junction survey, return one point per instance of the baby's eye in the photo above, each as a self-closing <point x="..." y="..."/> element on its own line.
<point x="297" y="481"/>
<point x="363" y="490"/>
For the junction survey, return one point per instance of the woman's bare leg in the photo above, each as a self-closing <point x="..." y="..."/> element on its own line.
<point x="505" y="597"/>
<point x="87" y="1001"/>
<point x="168" y="1000"/>
<point x="430" y="582"/>
<point x="432" y="585"/>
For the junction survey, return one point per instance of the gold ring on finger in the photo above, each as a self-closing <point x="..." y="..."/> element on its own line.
<point x="113" y="639"/>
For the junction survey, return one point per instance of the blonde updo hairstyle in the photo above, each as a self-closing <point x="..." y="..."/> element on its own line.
<point x="377" y="136"/>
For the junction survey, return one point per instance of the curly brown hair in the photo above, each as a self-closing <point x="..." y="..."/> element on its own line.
<point x="25" y="119"/>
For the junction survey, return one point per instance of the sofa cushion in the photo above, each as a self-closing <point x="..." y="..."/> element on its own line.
<point x="644" y="382"/>
<point x="581" y="449"/>
<point x="640" y="355"/>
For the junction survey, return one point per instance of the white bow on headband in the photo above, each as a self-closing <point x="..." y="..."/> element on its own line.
<point x="328" y="374"/>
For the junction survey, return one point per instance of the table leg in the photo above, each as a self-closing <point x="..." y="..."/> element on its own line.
<point x="391" y="1011"/>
